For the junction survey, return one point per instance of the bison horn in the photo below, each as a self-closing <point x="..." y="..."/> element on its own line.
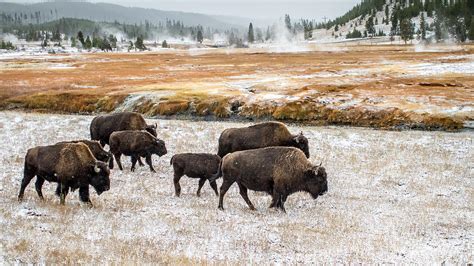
<point x="96" y="168"/>
<point x="156" y="125"/>
<point x="297" y="139"/>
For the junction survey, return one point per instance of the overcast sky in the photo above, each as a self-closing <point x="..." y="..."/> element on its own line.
<point x="315" y="9"/>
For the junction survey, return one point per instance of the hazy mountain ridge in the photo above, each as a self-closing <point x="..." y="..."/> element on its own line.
<point x="110" y="12"/>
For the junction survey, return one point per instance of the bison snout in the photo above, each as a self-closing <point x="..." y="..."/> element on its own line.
<point x="324" y="190"/>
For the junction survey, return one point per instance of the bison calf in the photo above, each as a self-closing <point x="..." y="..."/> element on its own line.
<point x="136" y="144"/>
<point x="279" y="171"/>
<point x="69" y="164"/>
<point x="195" y="165"/>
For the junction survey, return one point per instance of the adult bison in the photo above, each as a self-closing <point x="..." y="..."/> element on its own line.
<point x="260" y="136"/>
<point x="96" y="149"/>
<point x="136" y="144"/>
<point x="279" y="171"/>
<point x="195" y="165"/>
<point x="103" y="126"/>
<point x="72" y="165"/>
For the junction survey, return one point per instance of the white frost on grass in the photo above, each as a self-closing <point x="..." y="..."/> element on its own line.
<point x="432" y="69"/>
<point x="394" y="197"/>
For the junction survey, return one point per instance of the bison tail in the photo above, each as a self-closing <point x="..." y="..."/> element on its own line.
<point x="215" y="176"/>
<point x="171" y="161"/>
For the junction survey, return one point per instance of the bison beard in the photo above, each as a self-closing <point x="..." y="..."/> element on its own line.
<point x="279" y="171"/>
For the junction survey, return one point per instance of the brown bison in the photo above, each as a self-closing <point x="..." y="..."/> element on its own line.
<point x="195" y="165"/>
<point x="103" y="126"/>
<point x="136" y="144"/>
<point x="96" y="149"/>
<point x="279" y="171"/>
<point x="71" y="165"/>
<point x="260" y="136"/>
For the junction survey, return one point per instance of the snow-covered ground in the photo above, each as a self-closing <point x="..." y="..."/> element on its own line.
<point x="394" y="197"/>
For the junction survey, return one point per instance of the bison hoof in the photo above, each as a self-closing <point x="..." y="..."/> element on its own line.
<point x="220" y="208"/>
<point x="153" y="171"/>
<point x="20" y="199"/>
<point x="133" y="169"/>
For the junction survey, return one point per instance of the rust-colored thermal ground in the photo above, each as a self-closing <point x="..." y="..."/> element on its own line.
<point x="379" y="86"/>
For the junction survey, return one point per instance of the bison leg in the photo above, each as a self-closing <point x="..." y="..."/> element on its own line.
<point x="177" y="187"/>
<point x="276" y="197"/>
<point x="102" y="143"/>
<point x="213" y="184"/>
<point x="225" y="186"/>
<point x="243" y="193"/>
<point x="140" y="161"/>
<point x="117" y="159"/>
<point x="134" y="162"/>
<point x="84" y="195"/>
<point x="58" y="190"/>
<point x="149" y="162"/>
<point x="28" y="174"/>
<point x="39" y="185"/>
<point x="282" y="202"/>
<point x="62" y="195"/>
<point x="111" y="162"/>
<point x="201" y="183"/>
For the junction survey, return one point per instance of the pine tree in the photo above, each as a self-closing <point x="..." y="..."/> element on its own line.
<point x="268" y="34"/>
<point x="423" y="26"/>
<point x="406" y="30"/>
<point x="251" y="35"/>
<point x="336" y="28"/>
<point x="88" y="43"/>
<point x="471" y="30"/>
<point x="199" y="37"/>
<point x="80" y="37"/>
<point x="139" y="44"/>
<point x="369" y="26"/>
<point x="164" y="44"/>
<point x="288" y="22"/>
<point x="73" y="42"/>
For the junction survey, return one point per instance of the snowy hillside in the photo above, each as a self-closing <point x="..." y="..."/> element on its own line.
<point x="382" y="20"/>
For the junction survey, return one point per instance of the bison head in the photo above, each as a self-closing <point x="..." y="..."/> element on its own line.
<point x="159" y="148"/>
<point x="100" y="177"/>
<point x="316" y="181"/>
<point x="301" y="142"/>
<point x="151" y="129"/>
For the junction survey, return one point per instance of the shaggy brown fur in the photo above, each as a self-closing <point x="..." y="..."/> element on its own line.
<point x="103" y="126"/>
<point x="136" y="144"/>
<point x="195" y="165"/>
<point x="72" y="165"/>
<point x="279" y="171"/>
<point x="260" y="136"/>
<point x="96" y="149"/>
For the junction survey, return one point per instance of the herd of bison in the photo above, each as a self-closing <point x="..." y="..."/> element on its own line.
<point x="264" y="157"/>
